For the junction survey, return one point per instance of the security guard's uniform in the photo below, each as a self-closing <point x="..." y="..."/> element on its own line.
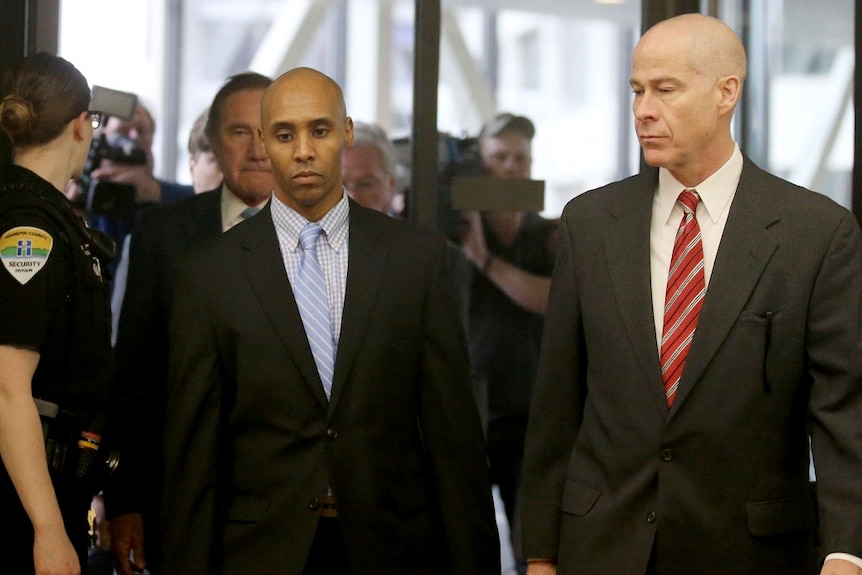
<point x="54" y="300"/>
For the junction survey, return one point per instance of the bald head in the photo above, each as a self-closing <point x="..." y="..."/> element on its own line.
<point x="305" y="80"/>
<point x="687" y="75"/>
<point x="713" y="48"/>
<point x="304" y="129"/>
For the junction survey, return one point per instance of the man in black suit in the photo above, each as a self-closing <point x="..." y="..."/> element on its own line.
<point x="630" y="467"/>
<point x="277" y="466"/>
<point x="160" y="236"/>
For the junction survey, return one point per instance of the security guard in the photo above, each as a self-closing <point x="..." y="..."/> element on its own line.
<point x="55" y="352"/>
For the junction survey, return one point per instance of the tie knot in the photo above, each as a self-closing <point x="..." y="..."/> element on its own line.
<point x="308" y="236"/>
<point x="689" y="199"/>
<point x="249" y="212"/>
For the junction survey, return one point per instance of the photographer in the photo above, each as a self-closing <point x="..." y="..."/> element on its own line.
<point x="55" y="355"/>
<point x="128" y="161"/>
<point x="514" y="253"/>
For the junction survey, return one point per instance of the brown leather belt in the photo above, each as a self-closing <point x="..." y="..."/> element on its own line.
<point x="329" y="507"/>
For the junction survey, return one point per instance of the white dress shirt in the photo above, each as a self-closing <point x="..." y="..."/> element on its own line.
<point x="716" y="194"/>
<point x="232" y="208"/>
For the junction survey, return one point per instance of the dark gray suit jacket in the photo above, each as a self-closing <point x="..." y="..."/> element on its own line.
<point x="252" y="443"/>
<point x="160" y="235"/>
<point x="719" y="484"/>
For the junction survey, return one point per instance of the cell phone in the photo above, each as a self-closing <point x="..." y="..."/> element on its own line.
<point x="114" y="102"/>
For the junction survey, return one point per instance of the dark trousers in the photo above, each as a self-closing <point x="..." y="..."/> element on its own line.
<point x="506" y="457"/>
<point x="328" y="555"/>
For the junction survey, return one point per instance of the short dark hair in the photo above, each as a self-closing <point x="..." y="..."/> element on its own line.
<point x="236" y="83"/>
<point x="39" y="96"/>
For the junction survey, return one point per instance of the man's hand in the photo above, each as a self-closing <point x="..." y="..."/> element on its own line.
<point x="139" y="176"/>
<point x="840" y="567"/>
<point x="473" y="238"/>
<point x="541" y="568"/>
<point x="127" y="535"/>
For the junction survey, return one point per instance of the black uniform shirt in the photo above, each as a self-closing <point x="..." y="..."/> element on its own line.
<point x="504" y="337"/>
<point x="53" y="299"/>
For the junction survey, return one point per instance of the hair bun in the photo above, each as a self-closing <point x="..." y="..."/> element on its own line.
<point x="16" y="115"/>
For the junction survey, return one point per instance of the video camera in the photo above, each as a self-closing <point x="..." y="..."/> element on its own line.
<point x="459" y="158"/>
<point x="99" y="197"/>
<point x="465" y="184"/>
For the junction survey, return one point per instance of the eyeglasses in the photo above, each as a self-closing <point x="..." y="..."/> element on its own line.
<point x="95" y="117"/>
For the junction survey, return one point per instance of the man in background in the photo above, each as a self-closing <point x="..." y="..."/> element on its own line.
<point x="203" y="164"/>
<point x="513" y="254"/>
<point x="133" y="498"/>
<point x="138" y="132"/>
<point x="370" y="169"/>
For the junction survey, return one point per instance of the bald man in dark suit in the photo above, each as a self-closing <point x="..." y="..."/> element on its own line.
<point x="278" y="465"/>
<point x="652" y="453"/>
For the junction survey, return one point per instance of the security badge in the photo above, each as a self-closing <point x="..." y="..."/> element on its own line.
<point x="24" y="250"/>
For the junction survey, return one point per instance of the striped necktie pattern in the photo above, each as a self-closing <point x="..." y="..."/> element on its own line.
<point x="313" y="305"/>
<point x="686" y="288"/>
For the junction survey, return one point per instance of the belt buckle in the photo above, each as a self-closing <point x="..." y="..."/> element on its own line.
<point x="329" y="508"/>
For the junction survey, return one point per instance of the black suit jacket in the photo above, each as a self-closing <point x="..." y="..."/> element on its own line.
<point x="252" y="443"/>
<point x="160" y="235"/>
<point x="718" y="484"/>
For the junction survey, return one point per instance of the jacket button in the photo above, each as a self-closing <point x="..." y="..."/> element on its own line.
<point x="667" y="454"/>
<point x="331" y="433"/>
<point x="651" y="517"/>
<point x="314" y="504"/>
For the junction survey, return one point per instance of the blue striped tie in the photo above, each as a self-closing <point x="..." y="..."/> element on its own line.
<point x="314" y="305"/>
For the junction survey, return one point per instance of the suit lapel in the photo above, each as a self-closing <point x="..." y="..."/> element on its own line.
<point x="745" y="249"/>
<point x="204" y="217"/>
<point x="264" y="270"/>
<point x="627" y="246"/>
<point x="365" y="268"/>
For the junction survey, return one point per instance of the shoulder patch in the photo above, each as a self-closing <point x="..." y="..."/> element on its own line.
<point x="24" y="250"/>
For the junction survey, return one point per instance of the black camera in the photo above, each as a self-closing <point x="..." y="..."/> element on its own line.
<point x="459" y="158"/>
<point x="463" y="183"/>
<point x="99" y="197"/>
<point x="103" y="198"/>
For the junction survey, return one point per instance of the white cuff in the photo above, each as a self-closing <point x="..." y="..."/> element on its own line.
<point x="846" y="557"/>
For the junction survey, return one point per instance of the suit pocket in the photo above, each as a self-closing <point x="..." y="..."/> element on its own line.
<point x="578" y="498"/>
<point x="780" y="516"/>
<point x="245" y="508"/>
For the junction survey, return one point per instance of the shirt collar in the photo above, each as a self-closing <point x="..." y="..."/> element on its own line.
<point x="232" y="206"/>
<point x="715" y="192"/>
<point x="334" y="223"/>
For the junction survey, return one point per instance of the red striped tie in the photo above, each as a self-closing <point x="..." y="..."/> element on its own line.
<point x="686" y="287"/>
